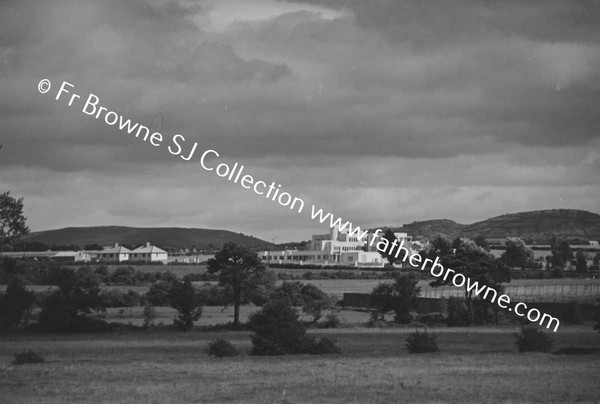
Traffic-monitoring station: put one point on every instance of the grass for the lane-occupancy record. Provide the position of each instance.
(474, 365)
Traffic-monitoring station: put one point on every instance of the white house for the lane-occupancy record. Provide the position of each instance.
(149, 253)
(116, 253)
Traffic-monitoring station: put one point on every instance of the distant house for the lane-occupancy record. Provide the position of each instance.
(149, 253)
(116, 253)
(72, 256)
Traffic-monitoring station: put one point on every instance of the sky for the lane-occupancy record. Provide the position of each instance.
(382, 112)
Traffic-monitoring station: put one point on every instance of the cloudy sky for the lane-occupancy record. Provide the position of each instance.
(381, 111)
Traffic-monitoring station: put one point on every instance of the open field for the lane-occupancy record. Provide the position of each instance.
(474, 365)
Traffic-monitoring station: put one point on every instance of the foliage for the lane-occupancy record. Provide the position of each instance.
(400, 296)
(597, 316)
(68, 309)
(14, 303)
(279, 331)
(561, 253)
(158, 294)
(458, 313)
(315, 301)
(12, 220)
(581, 261)
(421, 342)
(517, 254)
(239, 268)
(572, 314)
(27, 356)
(184, 299)
(533, 340)
(149, 315)
(387, 253)
(116, 298)
(221, 348)
(474, 263)
(332, 320)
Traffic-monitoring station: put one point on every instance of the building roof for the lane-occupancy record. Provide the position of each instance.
(116, 249)
(148, 249)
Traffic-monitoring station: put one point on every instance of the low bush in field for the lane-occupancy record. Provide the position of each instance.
(458, 313)
(533, 340)
(279, 331)
(221, 348)
(27, 356)
(421, 342)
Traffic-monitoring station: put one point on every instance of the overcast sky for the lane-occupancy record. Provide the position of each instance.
(381, 111)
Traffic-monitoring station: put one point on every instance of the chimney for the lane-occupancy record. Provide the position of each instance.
(147, 244)
(116, 244)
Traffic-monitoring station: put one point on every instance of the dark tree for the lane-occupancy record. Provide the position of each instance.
(561, 253)
(517, 254)
(400, 296)
(580, 261)
(14, 304)
(237, 267)
(475, 263)
(388, 234)
(482, 242)
(184, 298)
(12, 220)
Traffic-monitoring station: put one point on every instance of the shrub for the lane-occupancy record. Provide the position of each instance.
(68, 309)
(116, 298)
(533, 340)
(572, 315)
(421, 342)
(149, 315)
(458, 313)
(184, 299)
(158, 294)
(27, 356)
(332, 320)
(431, 318)
(597, 316)
(221, 348)
(14, 304)
(322, 346)
(279, 331)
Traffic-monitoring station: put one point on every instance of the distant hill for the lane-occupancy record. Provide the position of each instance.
(538, 226)
(164, 237)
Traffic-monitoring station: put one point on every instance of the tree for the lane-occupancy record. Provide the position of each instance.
(561, 253)
(475, 263)
(12, 220)
(481, 241)
(315, 301)
(400, 296)
(388, 234)
(14, 304)
(517, 254)
(237, 267)
(580, 261)
(68, 308)
(186, 301)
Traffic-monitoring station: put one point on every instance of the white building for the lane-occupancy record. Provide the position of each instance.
(149, 253)
(336, 248)
(116, 253)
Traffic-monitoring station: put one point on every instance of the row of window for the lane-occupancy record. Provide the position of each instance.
(298, 257)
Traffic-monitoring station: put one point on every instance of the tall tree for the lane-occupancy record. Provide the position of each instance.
(237, 267)
(475, 263)
(581, 261)
(389, 235)
(517, 254)
(561, 253)
(12, 220)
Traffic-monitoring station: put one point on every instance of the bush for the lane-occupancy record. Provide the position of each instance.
(14, 304)
(27, 356)
(322, 346)
(116, 298)
(533, 340)
(458, 313)
(221, 348)
(421, 342)
(279, 331)
(332, 320)
(184, 299)
(572, 315)
(68, 309)
(149, 315)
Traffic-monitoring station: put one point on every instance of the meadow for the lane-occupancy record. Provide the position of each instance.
(474, 365)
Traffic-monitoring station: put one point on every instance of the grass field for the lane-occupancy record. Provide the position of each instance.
(475, 365)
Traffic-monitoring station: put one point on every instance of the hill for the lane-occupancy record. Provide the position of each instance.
(164, 237)
(537, 226)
